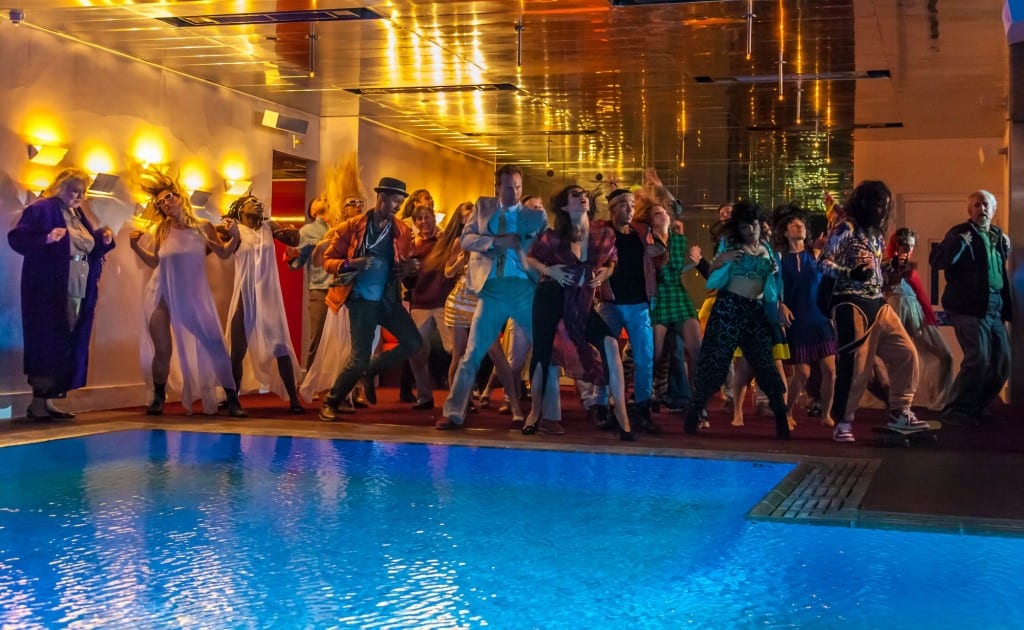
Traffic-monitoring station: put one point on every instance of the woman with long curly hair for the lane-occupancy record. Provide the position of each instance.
(865, 325)
(178, 297)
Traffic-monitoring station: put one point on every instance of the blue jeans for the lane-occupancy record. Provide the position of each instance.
(636, 319)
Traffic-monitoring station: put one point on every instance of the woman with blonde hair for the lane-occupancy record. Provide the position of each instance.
(59, 286)
(178, 297)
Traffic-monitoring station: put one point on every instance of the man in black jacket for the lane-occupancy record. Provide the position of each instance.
(977, 300)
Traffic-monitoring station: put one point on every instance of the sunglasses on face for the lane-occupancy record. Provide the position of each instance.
(578, 193)
(353, 202)
(164, 199)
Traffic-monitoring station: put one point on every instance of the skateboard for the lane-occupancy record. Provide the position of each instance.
(890, 436)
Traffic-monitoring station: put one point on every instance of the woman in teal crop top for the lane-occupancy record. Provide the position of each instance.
(744, 274)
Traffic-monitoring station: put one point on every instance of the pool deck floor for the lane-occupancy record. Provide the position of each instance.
(970, 482)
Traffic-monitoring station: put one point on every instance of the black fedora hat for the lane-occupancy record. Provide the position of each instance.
(391, 185)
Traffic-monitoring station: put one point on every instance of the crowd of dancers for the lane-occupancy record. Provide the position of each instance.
(544, 293)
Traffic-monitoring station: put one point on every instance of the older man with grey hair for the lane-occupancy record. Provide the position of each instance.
(977, 300)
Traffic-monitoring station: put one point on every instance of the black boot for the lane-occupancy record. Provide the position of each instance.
(602, 418)
(156, 406)
(692, 420)
(234, 406)
(643, 421)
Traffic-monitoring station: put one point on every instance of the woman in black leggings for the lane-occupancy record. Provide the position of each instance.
(573, 258)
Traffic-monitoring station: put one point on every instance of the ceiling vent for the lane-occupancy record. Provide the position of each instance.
(434, 89)
(812, 128)
(276, 17)
(792, 78)
(558, 132)
(644, 3)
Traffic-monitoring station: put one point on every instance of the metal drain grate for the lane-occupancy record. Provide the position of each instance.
(819, 491)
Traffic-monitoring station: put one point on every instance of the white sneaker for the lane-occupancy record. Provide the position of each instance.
(905, 419)
(843, 432)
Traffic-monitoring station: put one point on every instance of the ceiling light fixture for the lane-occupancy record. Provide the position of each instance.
(750, 28)
(275, 17)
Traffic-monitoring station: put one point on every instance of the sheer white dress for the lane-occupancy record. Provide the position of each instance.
(200, 361)
(258, 290)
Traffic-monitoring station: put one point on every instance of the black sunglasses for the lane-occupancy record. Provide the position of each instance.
(579, 192)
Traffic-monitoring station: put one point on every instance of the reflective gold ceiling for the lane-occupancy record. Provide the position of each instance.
(594, 88)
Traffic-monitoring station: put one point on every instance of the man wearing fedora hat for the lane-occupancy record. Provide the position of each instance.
(497, 236)
(369, 254)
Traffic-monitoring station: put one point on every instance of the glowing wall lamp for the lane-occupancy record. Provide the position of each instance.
(237, 187)
(198, 198)
(103, 185)
(46, 155)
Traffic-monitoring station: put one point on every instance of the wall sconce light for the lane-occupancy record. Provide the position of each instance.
(46, 155)
(198, 198)
(103, 184)
(237, 188)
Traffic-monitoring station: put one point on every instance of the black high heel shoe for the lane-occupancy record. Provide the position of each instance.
(626, 436)
(530, 429)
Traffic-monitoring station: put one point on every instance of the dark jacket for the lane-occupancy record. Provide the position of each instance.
(651, 263)
(52, 349)
(967, 279)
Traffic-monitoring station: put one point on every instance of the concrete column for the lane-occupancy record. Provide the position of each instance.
(1015, 226)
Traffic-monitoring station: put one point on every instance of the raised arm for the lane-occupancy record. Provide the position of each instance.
(150, 258)
(223, 248)
(287, 234)
(948, 252)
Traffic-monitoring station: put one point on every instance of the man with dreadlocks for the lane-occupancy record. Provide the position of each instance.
(256, 319)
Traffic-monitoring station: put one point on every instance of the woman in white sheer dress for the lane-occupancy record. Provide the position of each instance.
(178, 298)
(258, 337)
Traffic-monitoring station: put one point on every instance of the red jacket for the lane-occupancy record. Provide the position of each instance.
(346, 239)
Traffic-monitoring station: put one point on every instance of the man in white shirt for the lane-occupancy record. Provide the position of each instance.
(497, 237)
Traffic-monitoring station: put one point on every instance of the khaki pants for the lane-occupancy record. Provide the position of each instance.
(859, 342)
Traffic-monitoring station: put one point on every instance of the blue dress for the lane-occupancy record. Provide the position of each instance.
(811, 336)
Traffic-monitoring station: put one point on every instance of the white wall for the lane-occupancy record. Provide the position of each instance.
(938, 175)
(83, 98)
(450, 176)
(87, 99)
(936, 167)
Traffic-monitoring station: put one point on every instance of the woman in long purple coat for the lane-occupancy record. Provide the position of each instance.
(59, 284)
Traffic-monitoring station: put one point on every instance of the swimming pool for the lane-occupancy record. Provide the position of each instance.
(172, 529)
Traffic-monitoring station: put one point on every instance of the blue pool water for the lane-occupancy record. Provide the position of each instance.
(166, 529)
